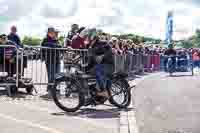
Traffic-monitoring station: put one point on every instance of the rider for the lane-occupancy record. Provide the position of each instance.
(170, 52)
(101, 62)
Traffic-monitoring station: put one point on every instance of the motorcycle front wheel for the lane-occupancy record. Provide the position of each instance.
(120, 94)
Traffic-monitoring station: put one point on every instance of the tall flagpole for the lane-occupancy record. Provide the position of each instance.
(169, 31)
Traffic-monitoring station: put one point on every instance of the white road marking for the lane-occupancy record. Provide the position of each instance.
(28, 123)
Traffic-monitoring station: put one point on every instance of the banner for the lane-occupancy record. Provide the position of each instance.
(169, 31)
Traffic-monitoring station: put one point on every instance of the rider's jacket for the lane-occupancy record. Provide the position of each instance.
(101, 48)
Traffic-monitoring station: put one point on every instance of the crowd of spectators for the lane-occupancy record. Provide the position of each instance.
(78, 38)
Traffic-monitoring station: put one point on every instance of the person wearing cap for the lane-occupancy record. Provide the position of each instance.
(51, 38)
(50, 54)
(14, 37)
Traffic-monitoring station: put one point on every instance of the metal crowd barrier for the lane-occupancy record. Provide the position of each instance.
(40, 64)
(43, 63)
(9, 65)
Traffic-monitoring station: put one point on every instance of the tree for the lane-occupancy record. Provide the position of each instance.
(186, 44)
(31, 41)
(61, 40)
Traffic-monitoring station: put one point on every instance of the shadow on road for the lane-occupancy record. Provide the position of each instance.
(46, 97)
(138, 75)
(176, 76)
(3, 92)
(94, 113)
(17, 95)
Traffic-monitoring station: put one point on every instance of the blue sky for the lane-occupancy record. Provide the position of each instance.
(143, 17)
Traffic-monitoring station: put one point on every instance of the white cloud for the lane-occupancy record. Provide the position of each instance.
(139, 16)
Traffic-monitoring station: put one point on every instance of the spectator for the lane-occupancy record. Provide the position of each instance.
(14, 37)
(196, 58)
(71, 34)
(104, 37)
(140, 49)
(50, 55)
(147, 50)
(8, 56)
(125, 48)
(2, 42)
(115, 46)
(133, 49)
(78, 41)
(3, 39)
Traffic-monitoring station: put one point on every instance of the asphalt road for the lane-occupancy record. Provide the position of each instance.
(34, 114)
(162, 104)
(166, 104)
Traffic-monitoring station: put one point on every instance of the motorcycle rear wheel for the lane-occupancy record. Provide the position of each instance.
(73, 87)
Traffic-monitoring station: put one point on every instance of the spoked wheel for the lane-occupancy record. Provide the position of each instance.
(120, 94)
(67, 95)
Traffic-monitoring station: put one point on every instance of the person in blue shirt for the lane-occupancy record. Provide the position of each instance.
(14, 37)
(50, 54)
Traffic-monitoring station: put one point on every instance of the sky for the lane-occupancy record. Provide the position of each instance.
(142, 17)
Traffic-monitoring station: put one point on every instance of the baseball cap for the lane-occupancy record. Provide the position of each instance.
(51, 29)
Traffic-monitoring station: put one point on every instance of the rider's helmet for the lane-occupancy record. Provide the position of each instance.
(92, 34)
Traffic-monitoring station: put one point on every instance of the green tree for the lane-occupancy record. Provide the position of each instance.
(186, 44)
(31, 41)
(61, 40)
